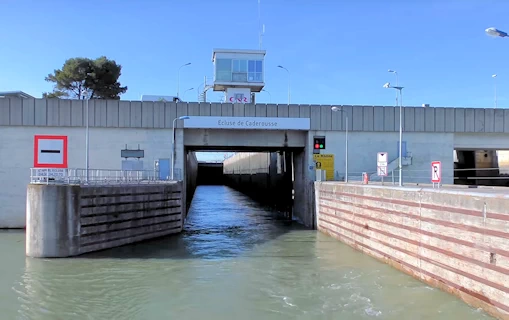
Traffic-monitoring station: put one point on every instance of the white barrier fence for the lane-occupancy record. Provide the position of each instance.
(97, 176)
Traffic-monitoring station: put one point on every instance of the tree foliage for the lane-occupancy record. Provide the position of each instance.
(82, 78)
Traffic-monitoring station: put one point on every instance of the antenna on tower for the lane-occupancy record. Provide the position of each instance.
(261, 27)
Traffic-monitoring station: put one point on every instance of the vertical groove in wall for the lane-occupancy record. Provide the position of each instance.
(9, 121)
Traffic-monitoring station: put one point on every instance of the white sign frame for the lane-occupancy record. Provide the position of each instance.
(382, 163)
(382, 159)
(436, 172)
(247, 123)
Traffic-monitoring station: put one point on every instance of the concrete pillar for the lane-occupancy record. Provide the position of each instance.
(52, 220)
(180, 168)
(304, 209)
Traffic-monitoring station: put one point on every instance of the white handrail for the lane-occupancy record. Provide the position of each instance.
(95, 176)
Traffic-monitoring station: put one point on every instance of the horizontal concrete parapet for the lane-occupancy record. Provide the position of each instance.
(147, 114)
(69, 220)
(451, 238)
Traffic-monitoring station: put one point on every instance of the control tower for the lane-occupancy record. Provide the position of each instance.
(239, 74)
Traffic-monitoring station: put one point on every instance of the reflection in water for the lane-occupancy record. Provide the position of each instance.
(235, 260)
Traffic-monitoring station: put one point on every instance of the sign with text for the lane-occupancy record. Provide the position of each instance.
(253, 123)
(381, 159)
(325, 162)
(50, 151)
(436, 171)
(381, 164)
(50, 173)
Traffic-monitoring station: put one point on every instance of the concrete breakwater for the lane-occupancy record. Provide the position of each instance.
(453, 239)
(69, 220)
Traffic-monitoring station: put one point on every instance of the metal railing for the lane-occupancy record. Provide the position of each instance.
(96, 176)
(424, 176)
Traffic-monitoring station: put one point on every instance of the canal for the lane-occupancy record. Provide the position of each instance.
(235, 260)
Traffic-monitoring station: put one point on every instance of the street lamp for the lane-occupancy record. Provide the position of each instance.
(270, 96)
(336, 109)
(178, 79)
(288, 81)
(494, 32)
(173, 144)
(184, 96)
(495, 85)
(388, 85)
(84, 93)
(397, 82)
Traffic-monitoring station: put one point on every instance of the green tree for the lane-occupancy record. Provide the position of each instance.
(80, 78)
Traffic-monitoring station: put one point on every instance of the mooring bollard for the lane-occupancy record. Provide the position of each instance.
(365, 178)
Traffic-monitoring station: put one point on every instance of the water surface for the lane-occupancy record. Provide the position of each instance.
(235, 260)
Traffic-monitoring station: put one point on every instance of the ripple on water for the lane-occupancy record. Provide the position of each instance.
(234, 260)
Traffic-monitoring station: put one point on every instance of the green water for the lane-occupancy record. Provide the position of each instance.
(235, 260)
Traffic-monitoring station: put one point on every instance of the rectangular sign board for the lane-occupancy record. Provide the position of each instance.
(50, 151)
(436, 171)
(381, 171)
(50, 173)
(249, 123)
(325, 162)
(381, 159)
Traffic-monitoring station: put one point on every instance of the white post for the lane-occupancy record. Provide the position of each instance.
(346, 148)
(400, 137)
(173, 149)
(495, 87)
(87, 146)
(288, 81)
(178, 79)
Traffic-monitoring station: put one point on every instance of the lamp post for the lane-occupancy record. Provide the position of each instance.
(397, 83)
(84, 93)
(400, 151)
(495, 87)
(494, 32)
(288, 81)
(184, 95)
(336, 109)
(173, 144)
(270, 96)
(178, 79)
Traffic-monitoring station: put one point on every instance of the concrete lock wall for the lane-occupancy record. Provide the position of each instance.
(430, 133)
(191, 179)
(69, 220)
(17, 157)
(450, 238)
(421, 148)
(257, 175)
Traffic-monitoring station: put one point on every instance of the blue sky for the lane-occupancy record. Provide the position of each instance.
(338, 51)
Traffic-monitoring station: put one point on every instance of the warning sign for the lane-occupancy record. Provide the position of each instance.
(325, 162)
(382, 171)
(436, 171)
(50, 151)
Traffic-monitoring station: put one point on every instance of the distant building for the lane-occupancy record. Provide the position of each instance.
(154, 98)
(15, 94)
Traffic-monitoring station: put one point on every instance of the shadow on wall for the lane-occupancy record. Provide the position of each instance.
(191, 178)
(263, 177)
